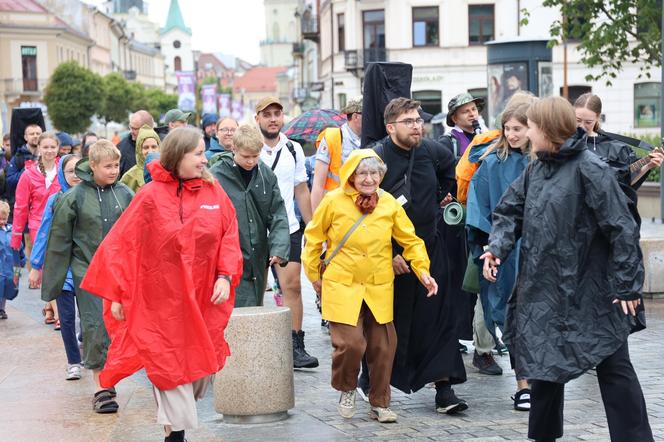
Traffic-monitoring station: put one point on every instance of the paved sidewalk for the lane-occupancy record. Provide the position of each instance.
(37, 404)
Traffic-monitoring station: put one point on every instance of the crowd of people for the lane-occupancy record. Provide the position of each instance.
(152, 240)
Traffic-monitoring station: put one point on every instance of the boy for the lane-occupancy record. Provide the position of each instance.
(253, 189)
(81, 219)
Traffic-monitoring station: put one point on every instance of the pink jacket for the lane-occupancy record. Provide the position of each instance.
(31, 198)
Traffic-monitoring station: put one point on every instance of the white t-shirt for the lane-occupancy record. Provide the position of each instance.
(50, 176)
(289, 174)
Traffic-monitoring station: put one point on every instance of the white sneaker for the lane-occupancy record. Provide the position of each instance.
(73, 372)
(346, 405)
(383, 415)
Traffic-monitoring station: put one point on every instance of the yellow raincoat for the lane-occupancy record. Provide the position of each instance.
(362, 270)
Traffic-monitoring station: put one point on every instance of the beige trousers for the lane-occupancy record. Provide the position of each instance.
(177, 407)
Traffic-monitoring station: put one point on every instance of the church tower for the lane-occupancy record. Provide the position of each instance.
(176, 43)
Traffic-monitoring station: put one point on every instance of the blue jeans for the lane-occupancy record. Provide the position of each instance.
(67, 311)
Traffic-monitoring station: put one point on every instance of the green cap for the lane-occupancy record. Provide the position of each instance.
(176, 115)
(458, 101)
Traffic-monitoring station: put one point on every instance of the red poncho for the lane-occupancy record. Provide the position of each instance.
(161, 261)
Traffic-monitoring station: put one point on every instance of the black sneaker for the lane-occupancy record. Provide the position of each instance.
(500, 349)
(447, 402)
(302, 359)
(486, 364)
(175, 436)
(363, 386)
(522, 400)
(3, 314)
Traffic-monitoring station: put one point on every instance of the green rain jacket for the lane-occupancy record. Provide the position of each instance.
(134, 177)
(81, 219)
(262, 221)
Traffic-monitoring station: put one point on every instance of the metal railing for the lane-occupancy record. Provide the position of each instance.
(309, 26)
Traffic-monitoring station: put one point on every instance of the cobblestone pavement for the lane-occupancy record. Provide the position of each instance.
(37, 404)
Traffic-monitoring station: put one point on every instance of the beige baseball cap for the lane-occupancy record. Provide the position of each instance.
(267, 101)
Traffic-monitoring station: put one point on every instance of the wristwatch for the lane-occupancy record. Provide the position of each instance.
(226, 277)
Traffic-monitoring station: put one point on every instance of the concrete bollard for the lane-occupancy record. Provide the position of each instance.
(653, 261)
(256, 384)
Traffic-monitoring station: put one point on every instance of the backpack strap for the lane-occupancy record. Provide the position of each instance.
(291, 148)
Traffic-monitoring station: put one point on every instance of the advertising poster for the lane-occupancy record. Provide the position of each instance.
(224, 105)
(504, 80)
(209, 98)
(186, 91)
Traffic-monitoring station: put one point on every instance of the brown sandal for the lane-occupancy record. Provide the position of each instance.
(49, 315)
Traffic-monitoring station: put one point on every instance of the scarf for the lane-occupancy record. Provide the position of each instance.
(366, 203)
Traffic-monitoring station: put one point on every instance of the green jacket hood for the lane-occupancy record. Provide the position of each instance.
(144, 133)
(84, 172)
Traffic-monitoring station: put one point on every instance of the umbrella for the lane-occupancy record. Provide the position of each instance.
(308, 125)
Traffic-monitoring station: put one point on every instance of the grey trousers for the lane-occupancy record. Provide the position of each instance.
(482, 339)
(177, 407)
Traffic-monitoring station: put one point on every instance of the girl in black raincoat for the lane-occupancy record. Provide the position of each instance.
(580, 276)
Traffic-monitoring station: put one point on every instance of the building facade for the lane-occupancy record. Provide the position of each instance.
(33, 42)
(280, 32)
(445, 43)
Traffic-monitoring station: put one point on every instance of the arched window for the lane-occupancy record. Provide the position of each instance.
(177, 63)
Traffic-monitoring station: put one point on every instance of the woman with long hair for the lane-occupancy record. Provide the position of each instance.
(501, 164)
(167, 273)
(580, 276)
(34, 188)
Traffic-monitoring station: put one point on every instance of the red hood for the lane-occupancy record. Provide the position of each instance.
(159, 173)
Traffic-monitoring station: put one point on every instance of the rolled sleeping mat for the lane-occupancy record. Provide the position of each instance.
(454, 214)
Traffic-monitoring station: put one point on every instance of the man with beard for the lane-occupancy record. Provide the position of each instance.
(25, 155)
(286, 159)
(127, 146)
(420, 174)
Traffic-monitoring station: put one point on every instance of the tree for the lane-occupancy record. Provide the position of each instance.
(73, 95)
(117, 99)
(159, 102)
(611, 33)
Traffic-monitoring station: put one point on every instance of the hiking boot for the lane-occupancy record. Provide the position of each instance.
(3, 314)
(486, 364)
(447, 402)
(73, 372)
(302, 359)
(346, 404)
(383, 415)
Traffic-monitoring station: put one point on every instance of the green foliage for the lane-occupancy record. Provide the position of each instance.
(73, 95)
(159, 102)
(117, 99)
(138, 96)
(611, 33)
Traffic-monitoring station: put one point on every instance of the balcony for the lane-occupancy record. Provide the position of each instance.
(355, 60)
(298, 50)
(309, 27)
(24, 86)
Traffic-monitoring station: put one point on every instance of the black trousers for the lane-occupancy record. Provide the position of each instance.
(623, 401)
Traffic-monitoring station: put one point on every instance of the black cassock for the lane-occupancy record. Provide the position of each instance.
(427, 346)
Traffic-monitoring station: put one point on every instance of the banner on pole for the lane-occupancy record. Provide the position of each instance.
(186, 91)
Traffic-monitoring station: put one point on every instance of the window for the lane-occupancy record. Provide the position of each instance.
(177, 64)
(177, 44)
(341, 32)
(481, 92)
(480, 24)
(647, 98)
(29, 65)
(576, 24)
(574, 92)
(649, 19)
(425, 26)
(374, 36)
(342, 100)
(431, 101)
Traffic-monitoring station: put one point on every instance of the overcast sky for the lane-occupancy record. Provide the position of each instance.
(233, 27)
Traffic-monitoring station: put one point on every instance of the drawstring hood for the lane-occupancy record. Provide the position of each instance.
(161, 175)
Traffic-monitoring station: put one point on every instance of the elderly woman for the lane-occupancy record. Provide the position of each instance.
(358, 222)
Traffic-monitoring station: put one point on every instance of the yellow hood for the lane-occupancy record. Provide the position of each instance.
(144, 133)
(352, 162)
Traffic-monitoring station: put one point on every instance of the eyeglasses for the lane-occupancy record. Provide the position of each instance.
(226, 130)
(409, 122)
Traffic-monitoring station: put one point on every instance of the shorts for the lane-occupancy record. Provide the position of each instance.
(296, 246)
